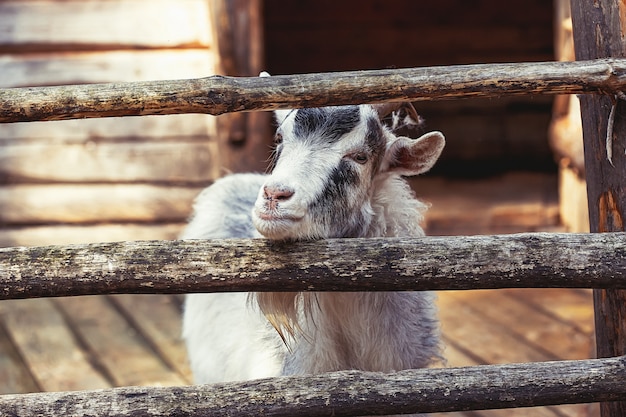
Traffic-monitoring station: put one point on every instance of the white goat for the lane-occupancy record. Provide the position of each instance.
(337, 173)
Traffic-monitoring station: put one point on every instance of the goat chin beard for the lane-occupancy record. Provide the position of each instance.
(283, 311)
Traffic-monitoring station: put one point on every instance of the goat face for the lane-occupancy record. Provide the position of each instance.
(328, 161)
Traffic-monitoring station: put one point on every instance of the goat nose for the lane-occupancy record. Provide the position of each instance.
(277, 192)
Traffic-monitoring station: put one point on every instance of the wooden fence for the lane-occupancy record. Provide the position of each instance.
(528, 260)
(217, 94)
(531, 260)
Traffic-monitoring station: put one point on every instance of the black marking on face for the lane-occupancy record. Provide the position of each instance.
(332, 206)
(341, 179)
(344, 176)
(330, 123)
(374, 138)
(376, 143)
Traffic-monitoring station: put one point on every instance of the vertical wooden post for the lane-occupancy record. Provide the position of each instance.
(599, 27)
(244, 138)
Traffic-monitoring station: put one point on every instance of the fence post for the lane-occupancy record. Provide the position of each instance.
(598, 28)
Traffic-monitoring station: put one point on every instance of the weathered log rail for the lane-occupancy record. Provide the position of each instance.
(529, 260)
(218, 94)
(348, 393)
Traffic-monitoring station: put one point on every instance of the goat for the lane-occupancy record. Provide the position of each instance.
(337, 172)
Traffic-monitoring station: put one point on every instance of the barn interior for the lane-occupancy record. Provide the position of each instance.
(135, 178)
(485, 136)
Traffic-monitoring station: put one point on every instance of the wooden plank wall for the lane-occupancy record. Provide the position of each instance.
(483, 136)
(104, 179)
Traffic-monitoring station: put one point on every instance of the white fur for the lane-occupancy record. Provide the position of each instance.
(229, 336)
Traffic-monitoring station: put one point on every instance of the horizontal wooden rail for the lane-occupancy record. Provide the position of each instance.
(218, 94)
(349, 393)
(539, 260)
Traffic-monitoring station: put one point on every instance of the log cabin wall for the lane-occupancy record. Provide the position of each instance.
(483, 136)
(135, 178)
(103, 179)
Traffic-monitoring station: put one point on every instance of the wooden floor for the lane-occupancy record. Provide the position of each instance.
(106, 341)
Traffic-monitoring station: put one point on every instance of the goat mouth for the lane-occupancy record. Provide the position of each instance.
(276, 217)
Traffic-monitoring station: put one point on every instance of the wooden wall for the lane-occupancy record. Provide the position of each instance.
(135, 178)
(104, 179)
(483, 135)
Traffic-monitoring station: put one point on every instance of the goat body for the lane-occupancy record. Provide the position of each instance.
(337, 173)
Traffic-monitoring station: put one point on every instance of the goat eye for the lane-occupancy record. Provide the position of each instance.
(359, 157)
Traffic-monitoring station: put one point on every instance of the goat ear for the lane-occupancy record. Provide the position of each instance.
(410, 157)
(279, 114)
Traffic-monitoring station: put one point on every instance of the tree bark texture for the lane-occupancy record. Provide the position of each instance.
(598, 33)
(430, 263)
(348, 393)
(219, 94)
